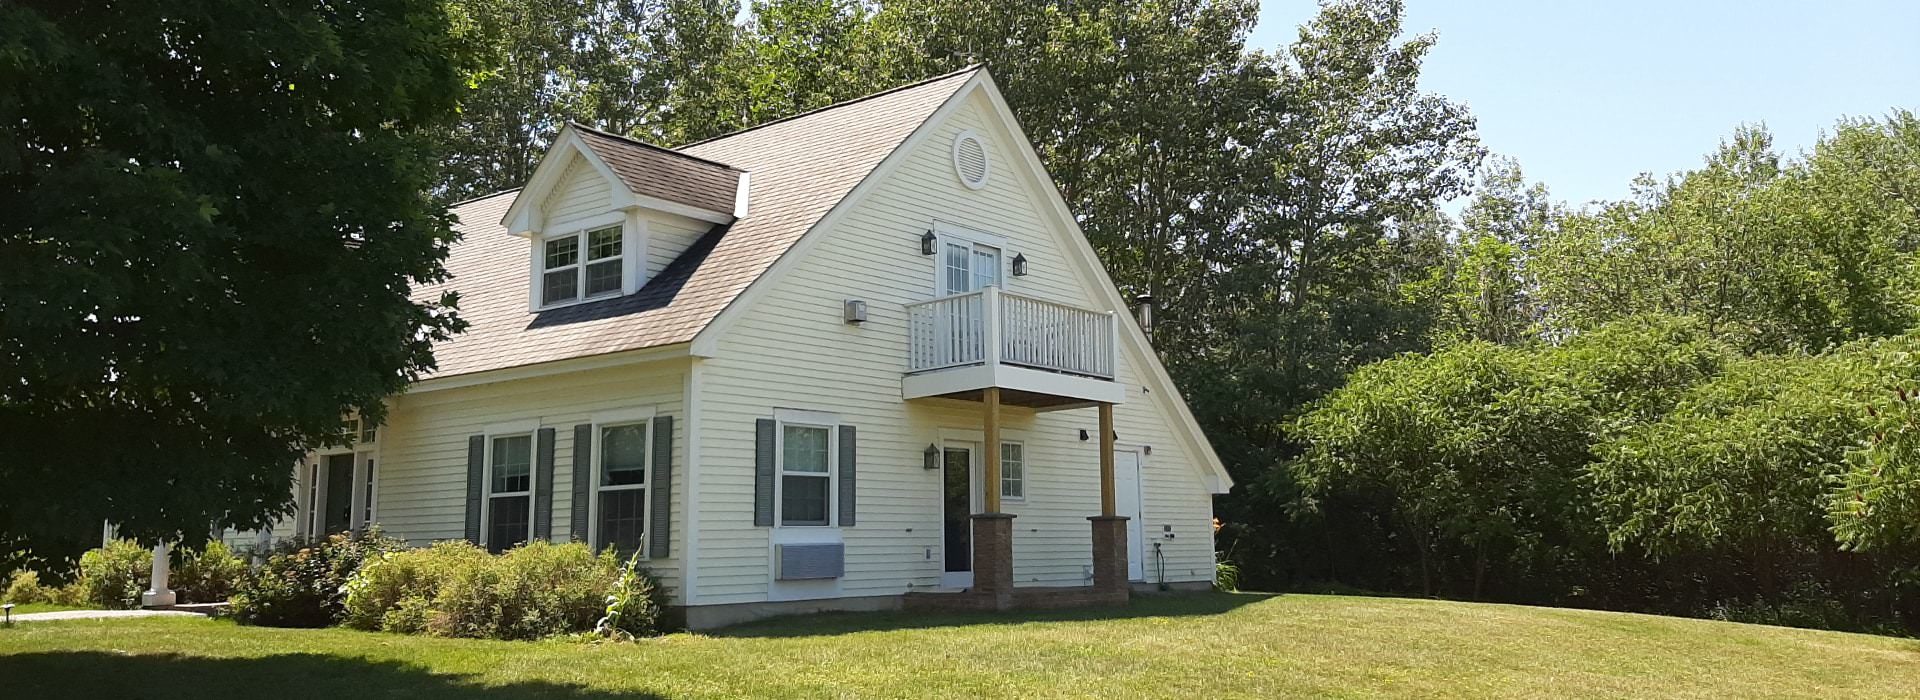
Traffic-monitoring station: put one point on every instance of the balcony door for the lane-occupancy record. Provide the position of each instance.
(966, 266)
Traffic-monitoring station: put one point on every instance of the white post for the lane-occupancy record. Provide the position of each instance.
(990, 297)
(158, 594)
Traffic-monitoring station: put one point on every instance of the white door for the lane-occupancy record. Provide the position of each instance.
(967, 267)
(1126, 488)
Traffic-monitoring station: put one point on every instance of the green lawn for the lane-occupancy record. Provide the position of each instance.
(1200, 646)
(24, 608)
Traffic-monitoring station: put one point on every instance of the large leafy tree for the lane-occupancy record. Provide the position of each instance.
(216, 212)
(1802, 255)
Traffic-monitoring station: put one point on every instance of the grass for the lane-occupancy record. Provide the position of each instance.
(1189, 646)
(24, 608)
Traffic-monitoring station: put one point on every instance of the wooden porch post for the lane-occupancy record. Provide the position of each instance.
(1107, 505)
(992, 401)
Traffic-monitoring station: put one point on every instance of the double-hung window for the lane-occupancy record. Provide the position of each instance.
(509, 492)
(1013, 471)
(620, 489)
(585, 265)
(806, 474)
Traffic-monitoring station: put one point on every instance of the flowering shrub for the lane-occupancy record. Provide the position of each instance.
(210, 575)
(303, 583)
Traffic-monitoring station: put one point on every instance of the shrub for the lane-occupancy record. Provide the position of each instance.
(70, 595)
(210, 575)
(1226, 575)
(303, 584)
(395, 592)
(633, 606)
(24, 587)
(533, 591)
(114, 576)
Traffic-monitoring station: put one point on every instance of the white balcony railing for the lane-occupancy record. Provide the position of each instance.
(990, 326)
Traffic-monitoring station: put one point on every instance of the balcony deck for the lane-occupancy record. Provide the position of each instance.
(1042, 354)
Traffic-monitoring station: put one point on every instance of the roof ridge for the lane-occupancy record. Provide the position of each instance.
(477, 198)
(643, 144)
(918, 83)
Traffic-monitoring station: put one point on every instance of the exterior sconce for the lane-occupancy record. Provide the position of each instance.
(855, 312)
(1019, 265)
(931, 457)
(927, 243)
(1147, 450)
(1083, 435)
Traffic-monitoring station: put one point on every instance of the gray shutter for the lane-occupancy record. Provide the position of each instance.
(476, 473)
(763, 472)
(582, 480)
(543, 485)
(660, 521)
(847, 475)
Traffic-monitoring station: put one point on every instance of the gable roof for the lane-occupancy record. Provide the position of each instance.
(653, 171)
(800, 168)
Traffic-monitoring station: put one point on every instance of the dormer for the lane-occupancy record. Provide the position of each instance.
(603, 213)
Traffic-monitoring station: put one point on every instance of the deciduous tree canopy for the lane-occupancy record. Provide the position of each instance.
(215, 212)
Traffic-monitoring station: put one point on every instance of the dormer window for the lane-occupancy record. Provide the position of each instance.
(565, 278)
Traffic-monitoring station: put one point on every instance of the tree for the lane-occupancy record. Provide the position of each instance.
(1483, 291)
(1797, 256)
(622, 65)
(1478, 446)
(217, 215)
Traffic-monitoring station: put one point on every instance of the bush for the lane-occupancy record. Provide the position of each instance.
(633, 606)
(455, 589)
(303, 584)
(1226, 575)
(24, 587)
(114, 576)
(532, 591)
(396, 592)
(69, 596)
(210, 575)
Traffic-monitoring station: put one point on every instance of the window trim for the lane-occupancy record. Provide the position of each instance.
(596, 451)
(532, 434)
(633, 242)
(945, 233)
(805, 419)
(1022, 496)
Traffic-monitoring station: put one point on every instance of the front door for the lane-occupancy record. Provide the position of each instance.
(338, 512)
(1126, 488)
(957, 517)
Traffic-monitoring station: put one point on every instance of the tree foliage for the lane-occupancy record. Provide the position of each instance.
(216, 213)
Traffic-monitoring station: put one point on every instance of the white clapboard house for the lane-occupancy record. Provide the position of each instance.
(860, 358)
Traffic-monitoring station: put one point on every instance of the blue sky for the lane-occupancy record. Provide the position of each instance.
(1588, 94)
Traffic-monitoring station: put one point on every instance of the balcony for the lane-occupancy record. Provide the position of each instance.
(1042, 354)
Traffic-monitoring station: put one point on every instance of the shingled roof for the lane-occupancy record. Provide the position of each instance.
(667, 174)
(800, 168)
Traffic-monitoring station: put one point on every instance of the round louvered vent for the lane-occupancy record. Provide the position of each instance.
(970, 159)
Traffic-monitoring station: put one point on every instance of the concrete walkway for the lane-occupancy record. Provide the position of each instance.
(101, 615)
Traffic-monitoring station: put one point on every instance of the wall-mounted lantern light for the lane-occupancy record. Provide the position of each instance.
(931, 457)
(927, 243)
(1019, 265)
(855, 312)
(1083, 435)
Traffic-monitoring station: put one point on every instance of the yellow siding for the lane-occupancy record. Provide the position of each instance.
(667, 237)
(423, 448)
(582, 192)
(791, 350)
